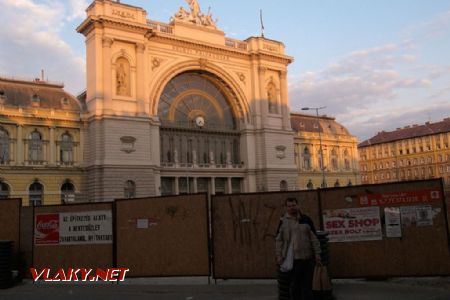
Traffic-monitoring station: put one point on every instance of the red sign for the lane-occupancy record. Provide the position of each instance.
(388, 199)
(47, 229)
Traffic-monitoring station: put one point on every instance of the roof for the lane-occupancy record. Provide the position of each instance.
(408, 132)
(309, 123)
(36, 93)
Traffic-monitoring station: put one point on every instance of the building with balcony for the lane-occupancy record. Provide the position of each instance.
(409, 153)
(340, 154)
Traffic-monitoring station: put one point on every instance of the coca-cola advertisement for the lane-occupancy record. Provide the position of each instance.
(47, 229)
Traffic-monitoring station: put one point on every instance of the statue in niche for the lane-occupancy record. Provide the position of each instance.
(122, 77)
(272, 97)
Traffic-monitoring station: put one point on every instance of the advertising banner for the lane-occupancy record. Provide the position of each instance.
(353, 224)
(388, 199)
(75, 228)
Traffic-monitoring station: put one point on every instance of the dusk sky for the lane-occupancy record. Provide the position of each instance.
(376, 65)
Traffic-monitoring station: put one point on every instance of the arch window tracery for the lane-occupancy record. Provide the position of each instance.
(198, 123)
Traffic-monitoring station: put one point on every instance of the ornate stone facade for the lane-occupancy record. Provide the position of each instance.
(340, 154)
(168, 109)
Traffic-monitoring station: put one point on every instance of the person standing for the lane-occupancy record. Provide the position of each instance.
(297, 229)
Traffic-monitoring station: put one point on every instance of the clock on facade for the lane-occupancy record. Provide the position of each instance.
(200, 121)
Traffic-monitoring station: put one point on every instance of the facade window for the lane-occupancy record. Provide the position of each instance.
(306, 159)
(334, 159)
(67, 192)
(319, 160)
(36, 194)
(66, 152)
(4, 146)
(129, 189)
(310, 185)
(35, 147)
(283, 186)
(4, 190)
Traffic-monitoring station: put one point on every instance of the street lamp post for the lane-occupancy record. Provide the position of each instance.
(324, 183)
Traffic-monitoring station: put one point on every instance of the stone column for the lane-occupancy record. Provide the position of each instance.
(52, 146)
(20, 152)
(213, 186)
(284, 100)
(177, 186)
(140, 79)
(229, 186)
(194, 183)
(107, 75)
(262, 94)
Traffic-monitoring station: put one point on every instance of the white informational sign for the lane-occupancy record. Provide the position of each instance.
(408, 216)
(93, 227)
(424, 215)
(78, 228)
(393, 222)
(353, 224)
(142, 223)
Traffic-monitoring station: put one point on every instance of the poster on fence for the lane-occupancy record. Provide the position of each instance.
(393, 222)
(396, 198)
(353, 224)
(75, 228)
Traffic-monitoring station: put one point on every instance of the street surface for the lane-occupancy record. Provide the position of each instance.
(198, 289)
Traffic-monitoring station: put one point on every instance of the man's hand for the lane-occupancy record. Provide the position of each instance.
(318, 260)
(279, 260)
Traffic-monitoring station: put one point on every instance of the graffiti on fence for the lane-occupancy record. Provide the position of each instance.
(252, 221)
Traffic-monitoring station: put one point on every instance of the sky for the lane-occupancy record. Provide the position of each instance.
(375, 64)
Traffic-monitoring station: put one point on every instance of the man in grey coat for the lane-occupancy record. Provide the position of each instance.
(295, 229)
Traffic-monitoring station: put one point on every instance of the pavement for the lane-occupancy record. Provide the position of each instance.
(198, 289)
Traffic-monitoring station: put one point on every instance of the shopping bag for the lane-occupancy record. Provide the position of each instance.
(288, 263)
(321, 280)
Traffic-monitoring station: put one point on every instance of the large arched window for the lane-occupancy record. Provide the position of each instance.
(129, 189)
(199, 127)
(35, 147)
(4, 190)
(66, 149)
(67, 192)
(36, 194)
(4, 146)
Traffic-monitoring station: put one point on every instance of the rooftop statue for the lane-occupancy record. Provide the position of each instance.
(194, 16)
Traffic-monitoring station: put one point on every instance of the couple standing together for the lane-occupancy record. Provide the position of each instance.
(297, 231)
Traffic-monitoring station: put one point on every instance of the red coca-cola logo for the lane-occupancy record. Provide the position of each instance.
(47, 226)
(47, 229)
